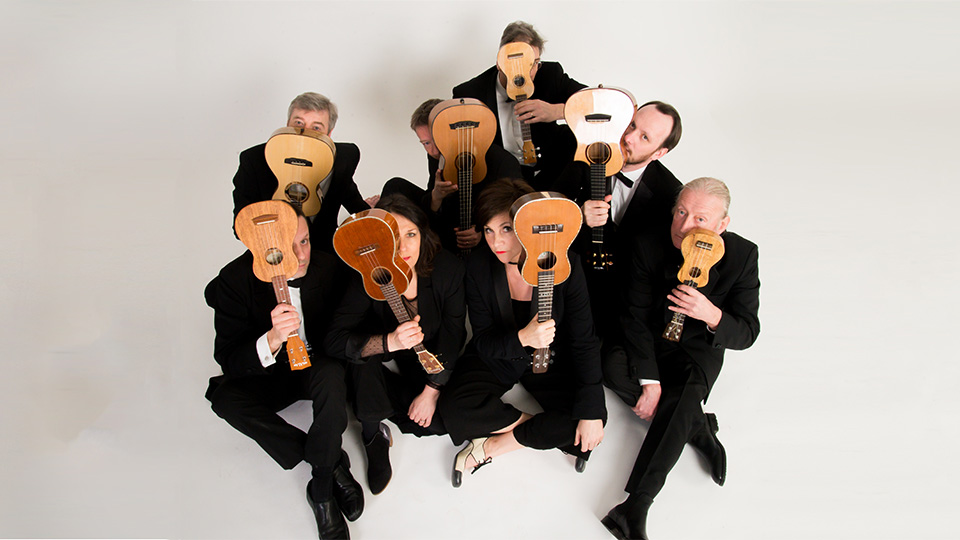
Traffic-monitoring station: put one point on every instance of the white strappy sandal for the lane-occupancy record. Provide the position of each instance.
(473, 448)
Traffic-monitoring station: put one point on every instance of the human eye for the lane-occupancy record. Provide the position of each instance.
(487, 230)
(507, 228)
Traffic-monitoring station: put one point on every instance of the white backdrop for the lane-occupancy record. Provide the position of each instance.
(832, 122)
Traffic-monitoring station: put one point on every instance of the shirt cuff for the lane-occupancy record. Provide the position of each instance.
(644, 382)
(267, 358)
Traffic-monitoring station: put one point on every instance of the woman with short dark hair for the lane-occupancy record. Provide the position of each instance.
(505, 331)
(366, 333)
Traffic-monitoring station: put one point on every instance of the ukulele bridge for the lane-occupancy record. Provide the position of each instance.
(704, 245)
(366, 249)
(552, 228)
(464, 124)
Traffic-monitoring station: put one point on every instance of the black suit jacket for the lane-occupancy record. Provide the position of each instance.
(495, 330)
(500, 164)
(555, 142)
(649, 209)
(255, 182)
(733, 286)
(442, 310)
(242, 305)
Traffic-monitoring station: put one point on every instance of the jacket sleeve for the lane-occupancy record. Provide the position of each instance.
(453, 329)
(348, 158)
(740, 324)
(641, 303)
(491, 340)
(588, 402)
(237, 327)
(350, 329)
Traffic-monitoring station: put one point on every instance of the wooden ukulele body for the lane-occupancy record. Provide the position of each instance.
(701, 248)
(268, 229)
(516, 61)
(546, 224)
(300, 158)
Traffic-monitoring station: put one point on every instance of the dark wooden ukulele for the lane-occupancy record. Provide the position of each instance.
(368, 241)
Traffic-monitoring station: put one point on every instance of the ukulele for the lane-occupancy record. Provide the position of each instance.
(267, 228)
(546, 223)
(367, 241)
(701, 249)
(598, 118)
(516, 61)
(463, 130)
(300, 158)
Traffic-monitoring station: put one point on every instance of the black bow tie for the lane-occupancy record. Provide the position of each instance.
(295, 282)
(626, 181)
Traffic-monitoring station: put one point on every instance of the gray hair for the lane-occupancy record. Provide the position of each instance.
(709, 186)
(524, 32)
(312, 101)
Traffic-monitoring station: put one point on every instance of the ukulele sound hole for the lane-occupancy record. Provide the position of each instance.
(598, 153)
(273, 256)
(465, 161)
(694, 272)
(297, 192)
(519, 80)
(546, 260)
(381, 276)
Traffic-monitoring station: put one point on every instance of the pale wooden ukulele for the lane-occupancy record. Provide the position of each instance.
(546, 223)
(463, 130)
(516, 60)
(300, 158)
(701, 249)
(598, 118)
(268, 228)
(367, 241)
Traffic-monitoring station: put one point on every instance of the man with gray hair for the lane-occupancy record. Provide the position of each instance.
(255, 181)
(664, 381)
(552, 88)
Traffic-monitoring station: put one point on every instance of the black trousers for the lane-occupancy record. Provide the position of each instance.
(679, 415)
(250, 404)
(471, 406)
(379, 394)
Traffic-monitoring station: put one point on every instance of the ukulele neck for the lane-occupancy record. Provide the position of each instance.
(545, 280)
(675, 326)
(297, 352)
(598, 190)
(429, 362)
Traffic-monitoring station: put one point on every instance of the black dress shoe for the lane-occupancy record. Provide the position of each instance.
(330, 523)
(708, 444)
(379, 471)
(580, 465)
(628, 520)
(346, 490)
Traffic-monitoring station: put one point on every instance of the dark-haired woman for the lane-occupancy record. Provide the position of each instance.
(505, 331)
(366, 333)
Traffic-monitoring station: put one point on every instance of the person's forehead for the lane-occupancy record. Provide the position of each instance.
(303, 113)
